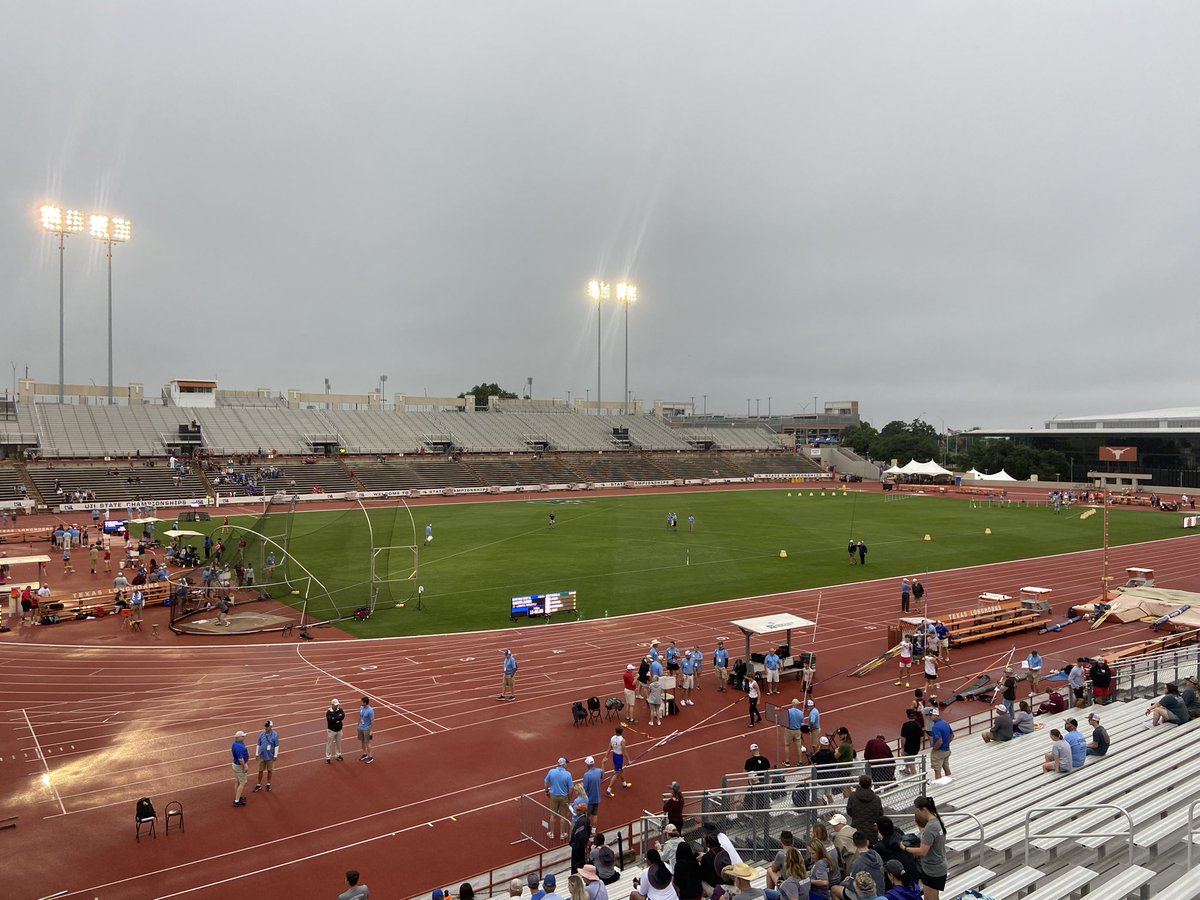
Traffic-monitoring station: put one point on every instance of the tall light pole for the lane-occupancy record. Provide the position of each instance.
(382, 389)
(598, 292)
(768, 407)
(626, 295)
(706, 404)
(62, 222)
(110, 231)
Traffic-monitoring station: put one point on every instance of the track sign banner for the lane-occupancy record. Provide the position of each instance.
(1118, 454)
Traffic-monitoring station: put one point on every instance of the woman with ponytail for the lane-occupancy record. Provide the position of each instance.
(932, 849)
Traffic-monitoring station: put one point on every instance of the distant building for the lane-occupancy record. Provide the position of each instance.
(1166, 444)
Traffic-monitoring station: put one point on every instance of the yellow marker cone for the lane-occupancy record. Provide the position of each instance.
(783, 554)
(987, 531)
(928, 538)
(789, 493)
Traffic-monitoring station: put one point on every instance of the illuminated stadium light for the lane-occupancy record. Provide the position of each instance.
(111, 231)
(62, 222)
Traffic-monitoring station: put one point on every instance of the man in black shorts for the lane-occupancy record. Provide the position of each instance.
(912, 735)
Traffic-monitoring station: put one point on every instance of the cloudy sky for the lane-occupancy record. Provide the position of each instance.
(984, 213)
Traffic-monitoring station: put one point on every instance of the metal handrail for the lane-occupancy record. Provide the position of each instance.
(963, 814)
(1128, 835)
(1191, 831)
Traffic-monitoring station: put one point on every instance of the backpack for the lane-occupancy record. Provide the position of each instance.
(145, 809)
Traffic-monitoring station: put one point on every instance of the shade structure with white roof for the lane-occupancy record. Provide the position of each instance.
(999, 476)
(912, 467)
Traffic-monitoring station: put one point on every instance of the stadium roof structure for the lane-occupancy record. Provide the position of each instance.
(1170, 420)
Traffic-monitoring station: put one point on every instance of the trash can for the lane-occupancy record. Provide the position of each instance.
(958, 481)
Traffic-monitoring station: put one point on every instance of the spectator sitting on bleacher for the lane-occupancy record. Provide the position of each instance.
(1191, 696)
(1059, 757)
(743, 874)
(1077, 743)
(671, 842)
(1023, 722)
(1098, 745)
(655, 883)
(866, 862)
(714, 860)
(891, 849)
(1002, 726)
(1168, 708)
(604, 859)
(900, 887)
(686, 877)
(1055, 703)
(593, 887)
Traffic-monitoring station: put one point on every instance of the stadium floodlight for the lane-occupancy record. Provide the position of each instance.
(111, 231)
(598, 291)
(626, 296)
(62, 222)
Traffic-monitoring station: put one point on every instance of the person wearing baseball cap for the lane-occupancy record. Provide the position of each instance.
(901, 888)
(1002, 725)
(757, 764)
(941, 735)
(630, 683)
(558, 789)
(593, 787)
(241, 758)
(334, 717)
(1098, 745)
(268, 749)
(509, 690)
(721, 664)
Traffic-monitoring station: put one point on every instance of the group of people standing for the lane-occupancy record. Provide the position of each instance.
(267, 749)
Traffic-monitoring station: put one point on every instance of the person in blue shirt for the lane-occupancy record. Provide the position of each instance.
(687, 671)
(697, 662)
(558, 789)
(795, 732)
(813, 725)
(366, 721)
(672, 658)
(268, 749)
(939, 750)
(1078, 743)
(656, 668)
(1034, 664)
(241, 757)
(508, 691)
(429, 534)
(592, 786)
(771, 662)
(654, 649)
(721, 664)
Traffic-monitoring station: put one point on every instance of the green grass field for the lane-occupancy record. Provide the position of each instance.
(620, 556)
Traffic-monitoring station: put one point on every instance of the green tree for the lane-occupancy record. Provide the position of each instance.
(481, 392)
(859, 437)
(906, 440)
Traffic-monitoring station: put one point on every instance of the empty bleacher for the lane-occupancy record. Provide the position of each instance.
(521, 470)
(413, 473)
(778, 463)
(608, 467)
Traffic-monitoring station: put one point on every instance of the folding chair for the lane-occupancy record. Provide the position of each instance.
(144, 814)
(593, 707)
(126, 618)
(613, 705)
(578, 713)
(174, 810)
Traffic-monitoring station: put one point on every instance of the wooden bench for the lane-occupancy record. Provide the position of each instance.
(1122, 882)
(1064, 884)
(106, 598)
(1027, 625)
(25, 535)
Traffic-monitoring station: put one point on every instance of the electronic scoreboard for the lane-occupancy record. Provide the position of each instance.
(542, 605)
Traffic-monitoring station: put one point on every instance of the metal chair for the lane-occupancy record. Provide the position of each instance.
(174, 810)
(593, 707)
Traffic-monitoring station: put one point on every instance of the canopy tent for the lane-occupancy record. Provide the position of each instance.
(769, 625)
(912, 467)
(973, 474)
(999, 476)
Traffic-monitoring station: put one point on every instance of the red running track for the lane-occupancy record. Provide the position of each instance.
(111, 724)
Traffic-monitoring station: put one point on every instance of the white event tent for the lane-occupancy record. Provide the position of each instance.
(912, 467)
